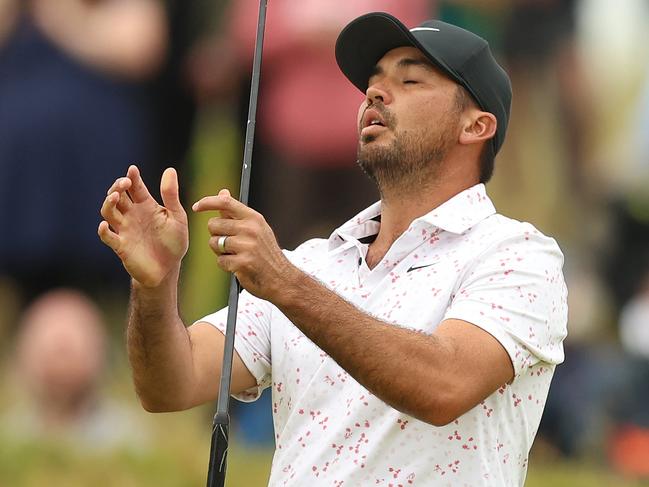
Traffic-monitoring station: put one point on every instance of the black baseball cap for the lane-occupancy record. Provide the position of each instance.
(462, 55)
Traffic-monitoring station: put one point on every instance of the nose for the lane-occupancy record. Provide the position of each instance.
(377, 92)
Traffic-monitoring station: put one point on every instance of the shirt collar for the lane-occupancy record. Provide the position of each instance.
(462, 211)
(363, 225)
(455, 215)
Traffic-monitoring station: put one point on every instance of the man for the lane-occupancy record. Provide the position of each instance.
(61, 353)
(416, 345)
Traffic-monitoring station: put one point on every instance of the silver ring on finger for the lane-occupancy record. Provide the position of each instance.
(220, 244)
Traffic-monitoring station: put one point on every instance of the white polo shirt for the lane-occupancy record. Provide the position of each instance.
(461, 260)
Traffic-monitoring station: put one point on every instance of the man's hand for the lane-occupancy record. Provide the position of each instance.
(251, 250)
(149, 239)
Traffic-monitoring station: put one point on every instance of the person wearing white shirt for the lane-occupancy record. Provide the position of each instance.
(416, 345)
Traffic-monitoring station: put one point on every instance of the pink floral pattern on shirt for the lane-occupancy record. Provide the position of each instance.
(462, 261)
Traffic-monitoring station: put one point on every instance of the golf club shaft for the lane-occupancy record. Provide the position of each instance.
(221, 423)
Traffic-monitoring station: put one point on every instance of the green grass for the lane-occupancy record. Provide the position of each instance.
(176, 451)
(48, 465)
(576, 474)
(177, 456)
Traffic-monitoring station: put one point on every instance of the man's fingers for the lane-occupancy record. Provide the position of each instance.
(124, 203)
(232, 245)
(120, 184)
(107, 236)
(169, 191)
(224, 226)
(110, 212)
(226, 204)
(227, 262)
(138, 191)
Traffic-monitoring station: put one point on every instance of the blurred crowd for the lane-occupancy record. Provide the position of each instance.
(88, 87)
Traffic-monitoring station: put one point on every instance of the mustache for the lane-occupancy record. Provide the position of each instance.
(387, 116)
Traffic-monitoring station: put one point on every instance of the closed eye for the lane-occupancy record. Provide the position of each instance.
(410, 82)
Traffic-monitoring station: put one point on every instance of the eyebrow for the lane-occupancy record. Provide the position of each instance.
(404, 63)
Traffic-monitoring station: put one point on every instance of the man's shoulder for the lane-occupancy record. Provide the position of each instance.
(501, 239)
(498, 227)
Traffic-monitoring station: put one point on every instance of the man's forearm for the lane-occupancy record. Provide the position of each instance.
(159, 348)
(396, 364)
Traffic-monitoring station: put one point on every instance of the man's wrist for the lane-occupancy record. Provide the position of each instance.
(168, 283)
(293, 287)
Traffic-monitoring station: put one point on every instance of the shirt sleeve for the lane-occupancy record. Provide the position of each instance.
(516, 292)
(252, 339)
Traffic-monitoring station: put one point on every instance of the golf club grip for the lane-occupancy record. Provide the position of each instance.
(218, 453)
(221, 423)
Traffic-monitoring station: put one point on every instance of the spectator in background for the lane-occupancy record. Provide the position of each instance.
(628, 441)
(59, 361)
(628, 270)
(539, 39)
(627, 260)
(319, 181)
(72, 111)
(552, 116)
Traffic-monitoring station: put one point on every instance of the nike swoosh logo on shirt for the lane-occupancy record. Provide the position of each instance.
(414, 268)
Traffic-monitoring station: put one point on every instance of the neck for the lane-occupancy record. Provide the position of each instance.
(401, 206)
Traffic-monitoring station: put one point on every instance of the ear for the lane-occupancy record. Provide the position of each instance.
(478, 127)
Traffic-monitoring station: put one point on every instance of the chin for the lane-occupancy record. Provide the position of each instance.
(367, 152)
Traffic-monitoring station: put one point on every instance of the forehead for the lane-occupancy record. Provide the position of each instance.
(404, 58)
(397, 55)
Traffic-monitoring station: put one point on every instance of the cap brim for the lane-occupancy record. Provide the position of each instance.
(364, 41)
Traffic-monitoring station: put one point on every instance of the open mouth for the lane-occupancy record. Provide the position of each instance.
(372, 118)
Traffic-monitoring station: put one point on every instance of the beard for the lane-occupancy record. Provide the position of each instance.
(413, 157)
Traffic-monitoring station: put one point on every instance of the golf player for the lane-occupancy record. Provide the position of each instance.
(416, 344)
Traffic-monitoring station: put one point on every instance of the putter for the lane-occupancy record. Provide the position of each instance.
(221, 422)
